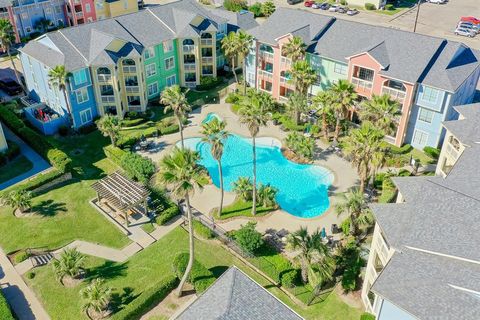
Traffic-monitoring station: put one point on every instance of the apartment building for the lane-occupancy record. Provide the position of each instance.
(424, 260)
(119, 64)
(426, 75)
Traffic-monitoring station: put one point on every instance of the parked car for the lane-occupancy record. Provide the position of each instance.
(352, 12)
(308, 3)
(465, 32)
(469, 25)
(437, 1)
(325, 6)
(292, 2)
(316, 5)
(342, 9)
(470, 19)
(10, 86)
(334, 8)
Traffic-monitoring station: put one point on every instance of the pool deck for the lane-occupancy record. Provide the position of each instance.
(208, 198)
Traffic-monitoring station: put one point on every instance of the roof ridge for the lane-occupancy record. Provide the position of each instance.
(161, 21)
(73, 46)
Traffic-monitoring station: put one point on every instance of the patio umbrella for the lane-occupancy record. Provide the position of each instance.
(323, 233)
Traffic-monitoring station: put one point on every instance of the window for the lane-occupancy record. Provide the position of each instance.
(85, 116)
(429, 94)
(167, 46)
(151, 69)
(82, 95)
(87, 7)
(125, 4)
(28, 29)
(340, 68)
(425, 115)
(420, 138)
(80, 77)
(169, 63)
(365, 74)
(152, 89)
(99, 5)
(149, 53)
(48, 10)
(172, 80)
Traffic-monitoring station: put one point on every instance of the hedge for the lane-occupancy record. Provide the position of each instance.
(202, 231)
(367, 316)
(200, 277)
(290, 278)
(37, 181)
(114, 153)
(5, 313)
(135, 166)
(147, 299)
(406, 148)
(389, 191)
(167, 215)
(132, 122)
(432, 152)
(370, 6)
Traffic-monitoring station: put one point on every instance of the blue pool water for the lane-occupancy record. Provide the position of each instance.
(210, 117)
(303, 189)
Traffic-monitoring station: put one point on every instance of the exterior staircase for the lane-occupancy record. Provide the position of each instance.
(41, 259)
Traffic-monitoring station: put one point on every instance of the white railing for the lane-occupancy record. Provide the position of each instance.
(265, 54)
(206, 42)
(394, 93)
(77, 2)
(104, 77)
(132, 89)
(265, 74)
(188, 48)
(362, 84)
(284, 80)
(129, 69)
(286, 62)
(135, 108)
(451, 151)
(189, 66)
(283, 98)
(207, 60)
(108, 98)
(79, 14)
(382, 250)
(190, 84)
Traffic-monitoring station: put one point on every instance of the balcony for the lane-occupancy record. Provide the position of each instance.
(395, 94)
(206, 42)
(268, 56)
(107, 99)
(104, 77)
(129, 69)
(190, 84)
(188, 48)
(363, 87)
(189, 66)
(285, 63)
(79, 15)
(132, 89)
(265, 74)
(207, 60)
(77, 2)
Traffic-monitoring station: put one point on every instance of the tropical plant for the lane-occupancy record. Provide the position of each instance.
(294, 49)
(268, 8)
(265, 100)
(320, 273)
(314, 256)
(297, 103)
(302, 76)
(59, 77)
(323, 102)
(20, 200)
(7, 39)
(302, 146)
(243, 188)
(253, 116)
(344, 98)
(180, 172)
(96, 298)
(109, 126)
(244, 42)
(248, 238)
(43, 24)
(174, 99)
(235, 5)
(383, 111)
(215, 135)
(362, 146)
(229, 45)
(70, 264)
(355, 205)
(349, 263)
(266, 195)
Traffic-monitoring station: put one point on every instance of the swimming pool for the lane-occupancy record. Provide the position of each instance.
(210, 117)
(303, 188)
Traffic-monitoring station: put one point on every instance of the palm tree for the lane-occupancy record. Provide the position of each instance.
(180, 172)
(70, 264)
(215, 135)
(355, 205)
(311, 249)
(230, 50)
(323, 101)
(20, 200)
(96, 298)
(268, 8)
(319, 274)
(244, 43)
(266, 195)
(362, 146)
(59, 78)
(253, 116)
(383, 111)
(294, 49)
(302, 76)
(174, 99)
(7, 39)
(42, 25)
(297, 103)
(243, 188)
(265, 100)
(344, 98)
(110, 127)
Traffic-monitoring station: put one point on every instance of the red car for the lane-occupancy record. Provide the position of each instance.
(467, 19)
(308, 3)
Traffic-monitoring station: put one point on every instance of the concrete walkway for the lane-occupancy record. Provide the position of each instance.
(20, 297)
(39, 164)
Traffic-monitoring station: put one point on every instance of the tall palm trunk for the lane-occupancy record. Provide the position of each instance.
(88, 314)
(220, 173)
(254, 191)
(180, 128)
(191, 245)
(337, 129)
(297, 117)
(15, 70)
(67, 103)
(233, 70)
(304, 271)
(324, 125)
(244, 70)
(353, 224)
(362, 184)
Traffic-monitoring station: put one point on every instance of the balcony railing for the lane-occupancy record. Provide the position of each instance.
(394, 93)
(189, 48)
(129, 69)
(285, 62)
(362, 84)
(265, 74)
(284, 80)
(189, 66)
(207, 60)
(77, 1)
(190, 84)
(132, 89)
(265, 54)
(108, 98)
(451, 151)
(79, 15)
(206, 42)
(104, 77)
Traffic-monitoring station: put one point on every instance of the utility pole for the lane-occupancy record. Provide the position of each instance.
(416, 17)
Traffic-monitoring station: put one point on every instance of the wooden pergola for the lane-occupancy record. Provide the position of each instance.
(122, 193)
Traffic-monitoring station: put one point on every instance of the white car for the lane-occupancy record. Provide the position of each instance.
(334, 8)
(437, 1)
(465, 32)
(469, 26)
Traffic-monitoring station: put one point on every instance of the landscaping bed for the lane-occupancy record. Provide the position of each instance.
(241, 208)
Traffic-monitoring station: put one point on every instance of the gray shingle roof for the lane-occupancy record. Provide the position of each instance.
(467, 129)
(236, 20)
(235, 296)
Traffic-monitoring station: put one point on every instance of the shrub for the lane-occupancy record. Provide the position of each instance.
(168, 214)
(147, 299)
(248, 238)
(406, 148)
(404, 173)
(302, 146)
(256, 9)
(202, 231)
(367, 316)
(370, 6)
(170, 129)
(345, 226)
(207, 83)
(290, 278)
(137, 167)
(114, 153)
(232, 97)
(349, 263)
(31, 275)
(200, 277)
(132, 122)
(10, 119)
(389, 191)
(289, 125)
(128, 141)
(389, 6)
(59, 159)
(21, 256)
(150, 132)
(5, 313)
(432, 152)
(235, 5)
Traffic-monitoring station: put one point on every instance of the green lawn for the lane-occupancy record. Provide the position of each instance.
(64, 213)
(147, 267)
(241, 208)
(15, 168)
